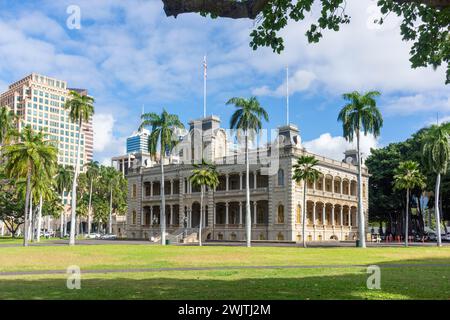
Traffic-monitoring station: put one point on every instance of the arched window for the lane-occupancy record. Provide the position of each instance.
(233, 237)
(134, 217)
(299, 214)
(280, 177)
(280, 215)
(280, 237)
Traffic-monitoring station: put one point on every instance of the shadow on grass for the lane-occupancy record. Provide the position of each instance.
(409, 282)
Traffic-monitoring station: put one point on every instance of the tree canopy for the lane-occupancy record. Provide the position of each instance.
(424, 22)
(386, 202)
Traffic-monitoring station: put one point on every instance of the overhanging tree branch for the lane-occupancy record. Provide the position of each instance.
(221, 8)
(236, 9)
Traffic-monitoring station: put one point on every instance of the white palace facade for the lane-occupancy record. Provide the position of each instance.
(276, 199)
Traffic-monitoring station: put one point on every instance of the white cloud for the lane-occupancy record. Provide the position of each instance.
(104, 139)
(412, 104)
(357, 57)
(334, 147)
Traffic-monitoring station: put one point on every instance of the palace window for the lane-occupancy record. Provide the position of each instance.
(134, 191)
(299, 214)
(280, 215)
(280, 237)
(134, 217)
(281, 177)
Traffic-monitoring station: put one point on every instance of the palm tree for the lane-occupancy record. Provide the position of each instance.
(247, 121)
(43, 189)
(7, 124)
(163, 131)
(81, 109)
(26, 159)
(360, 114)
(436, 153)
(63, 181)
(92, 172)
(204, 176)
(111, 177)
(304, 170)
(408, 176)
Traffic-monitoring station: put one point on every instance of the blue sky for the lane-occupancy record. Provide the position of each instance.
(128, 54)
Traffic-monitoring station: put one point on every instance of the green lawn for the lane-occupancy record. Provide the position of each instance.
(409, 282)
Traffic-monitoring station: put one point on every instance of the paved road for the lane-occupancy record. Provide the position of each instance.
(324, 244)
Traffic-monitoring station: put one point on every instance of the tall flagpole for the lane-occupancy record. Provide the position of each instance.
(287, 95)
(205, 68)
(142, 113)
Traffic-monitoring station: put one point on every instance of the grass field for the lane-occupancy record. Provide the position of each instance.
(413, 281)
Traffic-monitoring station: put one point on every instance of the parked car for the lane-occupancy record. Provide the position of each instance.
(108, 237)
(446, 237)
(93, 236)
(48, 234)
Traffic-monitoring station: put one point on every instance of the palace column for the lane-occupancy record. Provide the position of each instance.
(151, 188)
(342, 214)
(314, 213)
(151, 215)
(332, 185)
(323, 214)
(227, 176)
(240, 212)
(189, 212)
(171, 214)
(254, 179)
(332, 215)
(254, 211)
(171, 187)
(341, 191)
(226, 213)
(240, 180)
(349, 217)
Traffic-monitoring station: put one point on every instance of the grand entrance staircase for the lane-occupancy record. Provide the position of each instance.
(182, 235)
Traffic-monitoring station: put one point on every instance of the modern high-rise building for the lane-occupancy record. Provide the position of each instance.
(138, 142)
(39, 102)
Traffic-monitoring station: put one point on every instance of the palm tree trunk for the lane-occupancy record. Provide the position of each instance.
(361, 222)
(304, 215)
(441, 212)
(436, 210)
(110, 211)
(61, 233)
(201, 217)
(27, 202)
(163, 203)
(74, 189)
(90, 209)
(30, 217)
(248, 218)
(407, 217)
(39, 221)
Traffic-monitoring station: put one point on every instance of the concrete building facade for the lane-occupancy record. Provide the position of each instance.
(276, 199)
(39, 102)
